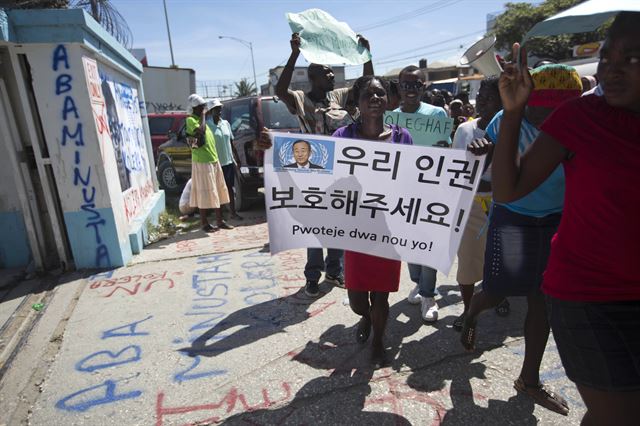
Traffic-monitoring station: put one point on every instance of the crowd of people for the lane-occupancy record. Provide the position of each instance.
(552, 220)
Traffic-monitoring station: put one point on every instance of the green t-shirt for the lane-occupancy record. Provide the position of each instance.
(207, 152)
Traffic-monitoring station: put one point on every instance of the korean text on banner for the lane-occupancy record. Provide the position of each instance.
(324, 40)
(426, 130)
(395, 201)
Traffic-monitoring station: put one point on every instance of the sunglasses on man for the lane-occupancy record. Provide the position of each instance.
(411, 85)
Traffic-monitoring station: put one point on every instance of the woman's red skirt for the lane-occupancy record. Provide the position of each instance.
(364, 272)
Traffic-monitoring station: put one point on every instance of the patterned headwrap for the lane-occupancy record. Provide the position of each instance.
(554, 84)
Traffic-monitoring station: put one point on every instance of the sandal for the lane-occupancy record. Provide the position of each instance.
(504, 308)
(459, 322)
(363, 331)
(542, 396)
(208, 228)
(225, 225)
(468, 335)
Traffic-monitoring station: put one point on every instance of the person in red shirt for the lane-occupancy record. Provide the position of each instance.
(592, 279)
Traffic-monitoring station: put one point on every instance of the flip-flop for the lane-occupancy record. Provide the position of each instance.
(468, 335)
(542, 396)
(459, 322)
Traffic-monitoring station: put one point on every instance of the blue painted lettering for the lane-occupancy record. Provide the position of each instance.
(131, 327)
(60, 54)
(106, 395)
(75, 136)
(255, 298)
(93, 195)
(209, 323)
(213, 290)
(102, 253)
(63, 84)
(77, 178)
(91, 208)
(95, 227)
(106, 359)
(185, 375)
(69, 106)
(213, 258)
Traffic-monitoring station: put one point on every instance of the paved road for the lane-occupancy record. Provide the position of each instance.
(207, 329)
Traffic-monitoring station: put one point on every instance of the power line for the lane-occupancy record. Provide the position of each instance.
(433, 44)
(384, 60)
(408, 15)
(447, 49)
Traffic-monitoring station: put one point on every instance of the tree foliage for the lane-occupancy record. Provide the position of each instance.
(519, 18)
(109, 17)
(244, 88)
(35, 4)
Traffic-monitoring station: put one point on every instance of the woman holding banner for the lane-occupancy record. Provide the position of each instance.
(591, 279)
(369, 279)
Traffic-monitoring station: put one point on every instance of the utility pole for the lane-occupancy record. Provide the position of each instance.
(166, 17)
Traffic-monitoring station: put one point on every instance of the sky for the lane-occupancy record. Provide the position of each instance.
(400, 32)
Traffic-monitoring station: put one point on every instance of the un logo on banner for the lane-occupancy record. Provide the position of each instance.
(297, 154)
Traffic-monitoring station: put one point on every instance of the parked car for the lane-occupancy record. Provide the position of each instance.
(161, 124)
(247, 117)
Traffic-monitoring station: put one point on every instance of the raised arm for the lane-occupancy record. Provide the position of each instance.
(514, 176)
(367, 67)
(282, 88)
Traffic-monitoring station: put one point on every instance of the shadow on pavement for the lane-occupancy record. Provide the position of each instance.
(345, 393)
(439, 357)
(340, 398)
(257, 322)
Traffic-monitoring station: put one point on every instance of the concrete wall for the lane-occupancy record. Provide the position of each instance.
(90, 100)
(14, 246)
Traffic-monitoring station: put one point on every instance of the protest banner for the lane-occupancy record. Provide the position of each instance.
(395, 201)
(324, 40)
(426, 130)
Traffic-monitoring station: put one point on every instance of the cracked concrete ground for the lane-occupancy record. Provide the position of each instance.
(207, 329)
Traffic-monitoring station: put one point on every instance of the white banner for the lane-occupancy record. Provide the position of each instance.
(403, 202)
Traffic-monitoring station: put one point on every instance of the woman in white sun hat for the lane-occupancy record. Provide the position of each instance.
(208, 189)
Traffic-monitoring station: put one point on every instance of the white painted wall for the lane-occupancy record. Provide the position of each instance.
(167, 89)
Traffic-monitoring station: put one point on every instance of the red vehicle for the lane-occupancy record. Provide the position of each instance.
(247, 117)
(161, 124)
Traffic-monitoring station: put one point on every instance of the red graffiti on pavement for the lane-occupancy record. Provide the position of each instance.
(130, 284)
(240, 238)
(233, 400)
(322, 306)
(186, 246)
(288, 278)
(292, 261)
(400, 392)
